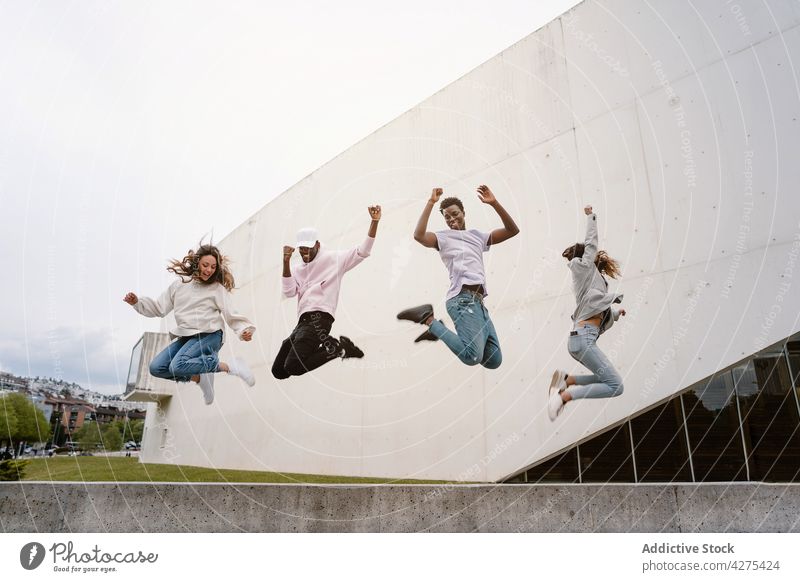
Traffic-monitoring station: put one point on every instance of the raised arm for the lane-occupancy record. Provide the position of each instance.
(590, 244)
(288, 284)
(375, 218)
(353, 257)
(421, 234)
(152, 307)
(509, 229)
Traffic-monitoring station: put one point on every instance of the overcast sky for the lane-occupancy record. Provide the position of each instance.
(130, 129)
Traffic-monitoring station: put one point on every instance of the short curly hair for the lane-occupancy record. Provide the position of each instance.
(447, 202)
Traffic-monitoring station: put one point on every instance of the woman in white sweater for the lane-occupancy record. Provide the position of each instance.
(200, 300)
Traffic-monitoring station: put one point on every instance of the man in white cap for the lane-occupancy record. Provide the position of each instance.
(316, 283)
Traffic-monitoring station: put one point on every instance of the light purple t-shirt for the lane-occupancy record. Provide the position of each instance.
(462, 254)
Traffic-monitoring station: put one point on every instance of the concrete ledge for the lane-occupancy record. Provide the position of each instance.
(212, 507)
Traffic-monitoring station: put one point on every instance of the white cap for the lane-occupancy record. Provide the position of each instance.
(307, 237)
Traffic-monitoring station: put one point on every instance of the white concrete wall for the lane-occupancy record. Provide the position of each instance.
(678, 121)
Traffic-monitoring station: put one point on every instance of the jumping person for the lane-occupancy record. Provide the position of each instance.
(475, 339)
(596, 312)
(200, 299)
(316, 282)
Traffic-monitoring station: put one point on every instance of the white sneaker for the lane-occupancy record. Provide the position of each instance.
(240, 368)
(207, 386)
(554, 405)
(558, 383)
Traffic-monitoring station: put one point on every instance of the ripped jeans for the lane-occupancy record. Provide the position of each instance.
(475, 339)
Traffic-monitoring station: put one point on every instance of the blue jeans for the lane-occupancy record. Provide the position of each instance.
(606, 381)
(475, 340)
(188, 356)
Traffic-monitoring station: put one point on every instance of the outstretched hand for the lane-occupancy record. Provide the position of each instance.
(587, 210)
(486, 195)
(131, 299)
(436, 193)
(375, 212)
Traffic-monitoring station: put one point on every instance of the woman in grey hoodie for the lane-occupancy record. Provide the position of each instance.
(595, 312)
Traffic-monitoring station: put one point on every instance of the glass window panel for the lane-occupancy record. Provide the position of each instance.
(712, 422)
(660, 447)
(607, 457)
(516, 478)
(133, 370)
(560, 469)
(793, 350)
(770, 420)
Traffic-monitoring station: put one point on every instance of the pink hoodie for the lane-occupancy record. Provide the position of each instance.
(317, 283)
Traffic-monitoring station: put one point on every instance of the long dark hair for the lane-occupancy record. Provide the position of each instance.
(189, 267)
(604, 263)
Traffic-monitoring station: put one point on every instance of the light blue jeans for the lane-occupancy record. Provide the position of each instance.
(475, 339)
(606, 381)
(188, 356)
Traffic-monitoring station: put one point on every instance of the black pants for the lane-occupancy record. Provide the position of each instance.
(308, 347)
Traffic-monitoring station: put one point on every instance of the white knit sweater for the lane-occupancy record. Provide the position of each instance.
(199, 308)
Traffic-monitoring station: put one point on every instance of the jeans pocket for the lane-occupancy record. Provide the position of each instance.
(574, 344)
(458, 306)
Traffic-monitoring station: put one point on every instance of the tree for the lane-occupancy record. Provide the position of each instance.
(112, 439)
(8, 421)
(31, 425)
(65, 392)
(12, 470)
(88, 436)
(121, 428)
(131, 430)
(137, 430)
(91, 436)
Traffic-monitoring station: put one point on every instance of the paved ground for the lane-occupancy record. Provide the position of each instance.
(162, 507)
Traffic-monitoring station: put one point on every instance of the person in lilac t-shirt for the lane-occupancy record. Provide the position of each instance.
(475, 339)
(316, 283)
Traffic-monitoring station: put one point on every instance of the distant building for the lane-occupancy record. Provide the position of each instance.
(106, 414)
(67, 416)
(11, 382)
(43, 402)
(53, 385)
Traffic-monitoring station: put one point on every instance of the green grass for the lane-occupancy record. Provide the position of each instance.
(62, 468)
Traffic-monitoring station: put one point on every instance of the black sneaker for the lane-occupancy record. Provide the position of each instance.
(349, 349)
(417, 314)
(426, 336)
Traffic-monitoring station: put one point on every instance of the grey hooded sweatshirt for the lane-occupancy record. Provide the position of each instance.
(590, 287)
